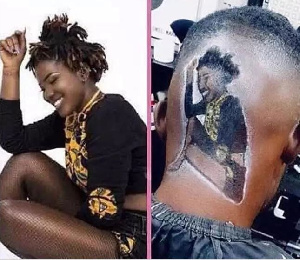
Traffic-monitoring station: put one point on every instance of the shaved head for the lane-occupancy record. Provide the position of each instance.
(233, 109)
(257, 40)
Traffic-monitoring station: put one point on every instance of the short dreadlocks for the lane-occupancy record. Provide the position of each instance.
(213, 59)
(65, 42)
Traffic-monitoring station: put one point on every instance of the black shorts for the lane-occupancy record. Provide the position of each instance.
(131, 234)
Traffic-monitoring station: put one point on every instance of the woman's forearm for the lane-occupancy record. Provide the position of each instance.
(10, 87)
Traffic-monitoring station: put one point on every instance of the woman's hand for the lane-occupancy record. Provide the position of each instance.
(13, 50)
(190, 71)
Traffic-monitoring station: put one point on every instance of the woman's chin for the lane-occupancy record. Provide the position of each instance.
(64, 112)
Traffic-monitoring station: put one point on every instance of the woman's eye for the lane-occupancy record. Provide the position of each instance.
(52, 81)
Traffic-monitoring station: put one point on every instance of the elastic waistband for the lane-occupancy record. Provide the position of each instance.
(209, 227)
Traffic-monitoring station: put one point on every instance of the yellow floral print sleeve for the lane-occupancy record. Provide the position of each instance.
(106, 158)
(99, 145)
(126, 244)
(212, 119)
(102, 203)
(76, 153)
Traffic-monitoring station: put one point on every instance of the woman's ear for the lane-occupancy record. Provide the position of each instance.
(160, 112)
(83, 73)
(292, 148)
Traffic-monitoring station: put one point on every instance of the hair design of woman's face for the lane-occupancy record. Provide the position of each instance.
(209, 89)
(217, 131)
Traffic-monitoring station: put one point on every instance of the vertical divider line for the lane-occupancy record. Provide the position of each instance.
(149, 129)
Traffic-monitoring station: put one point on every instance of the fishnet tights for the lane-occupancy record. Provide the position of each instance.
(44, 226)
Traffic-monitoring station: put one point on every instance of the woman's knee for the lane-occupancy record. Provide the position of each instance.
(10, 217)
(17, 171)
(6, 213)
(25, 159)
(23, 163)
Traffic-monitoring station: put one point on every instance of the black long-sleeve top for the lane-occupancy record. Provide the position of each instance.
(105, 151)
(224, 119)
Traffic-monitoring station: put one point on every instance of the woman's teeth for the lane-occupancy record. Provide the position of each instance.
(57, 103)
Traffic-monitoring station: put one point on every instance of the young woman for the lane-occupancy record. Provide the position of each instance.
(95, 208)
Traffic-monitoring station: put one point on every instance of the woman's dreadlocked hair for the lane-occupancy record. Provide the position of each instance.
(213, 59)
(65, 42)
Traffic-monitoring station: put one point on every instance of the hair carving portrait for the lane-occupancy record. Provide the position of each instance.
(216, 122)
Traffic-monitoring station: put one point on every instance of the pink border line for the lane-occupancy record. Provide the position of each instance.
(149, 129)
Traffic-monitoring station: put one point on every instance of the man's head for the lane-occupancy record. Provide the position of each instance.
(265, 50)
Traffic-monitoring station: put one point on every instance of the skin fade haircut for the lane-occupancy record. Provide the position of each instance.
(215, 88)
(63, 41)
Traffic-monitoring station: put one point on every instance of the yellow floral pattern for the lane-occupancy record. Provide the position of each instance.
(212, 117)
(102, 203)
(126, 243)
(75, 149)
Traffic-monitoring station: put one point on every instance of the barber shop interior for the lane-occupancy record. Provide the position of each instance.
(171, 20)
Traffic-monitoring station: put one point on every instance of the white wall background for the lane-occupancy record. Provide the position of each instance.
(120, 26)
(171, 10)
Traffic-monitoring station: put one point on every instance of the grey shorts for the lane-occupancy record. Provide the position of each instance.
(176, 235)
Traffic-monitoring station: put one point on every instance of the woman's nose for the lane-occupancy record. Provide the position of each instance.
(48, 94)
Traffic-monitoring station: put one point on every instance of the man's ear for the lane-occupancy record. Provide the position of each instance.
(160, 112)
(292, 149)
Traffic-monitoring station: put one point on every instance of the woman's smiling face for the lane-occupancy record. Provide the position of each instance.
(63, 88)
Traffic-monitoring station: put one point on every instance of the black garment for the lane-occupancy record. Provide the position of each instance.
(228, 125)
(131, 233)
(222, 134)
(158, 160)
(108, 145)
(183, 236)
(180, 28)
(15, 138)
